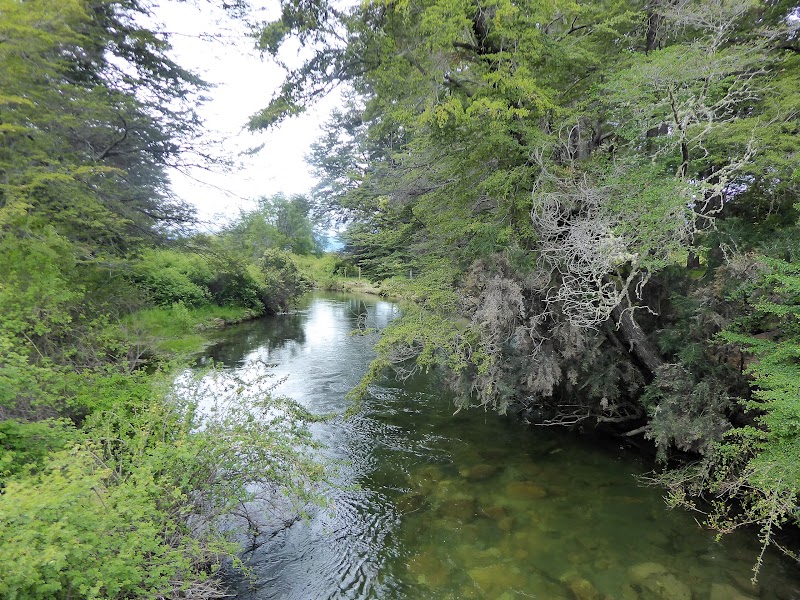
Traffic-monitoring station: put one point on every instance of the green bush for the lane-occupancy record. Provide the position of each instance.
(169, 277)
(195, 278)
(25, 446)
(142, 507)
(77, 531)
(234, 282)
(283, 281)
(753, 473)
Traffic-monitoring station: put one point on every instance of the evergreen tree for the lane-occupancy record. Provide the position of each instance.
(554, 169)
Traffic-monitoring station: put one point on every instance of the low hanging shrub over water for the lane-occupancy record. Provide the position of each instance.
(144, 502)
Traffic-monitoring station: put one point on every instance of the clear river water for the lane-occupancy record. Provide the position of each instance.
(473, 505)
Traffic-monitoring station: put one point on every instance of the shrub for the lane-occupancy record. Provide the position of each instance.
(25, 446)
(74, 531)
(283, 281)
(195, 278)
(169, 277)
(144, 510)
(234, 281)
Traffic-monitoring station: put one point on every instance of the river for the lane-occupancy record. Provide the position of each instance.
(473, 505)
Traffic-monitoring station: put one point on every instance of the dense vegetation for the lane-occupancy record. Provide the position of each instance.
(598, 203)
(113, 483)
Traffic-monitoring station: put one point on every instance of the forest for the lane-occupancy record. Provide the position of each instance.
(593, 206)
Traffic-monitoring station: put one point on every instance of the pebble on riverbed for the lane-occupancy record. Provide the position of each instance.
(425, 480)
(494, 580)
(581, 589)
(427, 569)
(463, 509)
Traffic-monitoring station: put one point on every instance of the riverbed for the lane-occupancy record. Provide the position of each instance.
(473, 505)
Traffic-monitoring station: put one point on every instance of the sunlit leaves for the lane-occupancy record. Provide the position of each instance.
(139, 512)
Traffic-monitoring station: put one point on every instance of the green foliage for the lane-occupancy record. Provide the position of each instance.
(177, 330)
(419, 341)
(278, 223)
(55, 324)
(771, 332)
(650, 210)
(25, 446)
(66, 534)
(282, 280)
(84, 151)
(684, 413)
(170, 277)
(38, 289)
(381, 253)
(775, 298)
(234, 281)
(211, 273)
(327, 271)
(751, 473)
(138, 511)
(432, 288)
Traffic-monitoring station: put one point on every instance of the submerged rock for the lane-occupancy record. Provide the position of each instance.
(478, 472)
(665, 587)
(629, 593)
(506, 524)
(409, 503)
(425, 479)
(743, 582)
(463, 509)
(495, 512)
(526, 470)
(581, 589)
(427, 569)
(642, 571)
(525, 490)
(494, 580)
(654, 581)
(723, 591)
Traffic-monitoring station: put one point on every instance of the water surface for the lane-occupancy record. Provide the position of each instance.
(472, 505)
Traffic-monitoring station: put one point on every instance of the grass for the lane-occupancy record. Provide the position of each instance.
(178, 330)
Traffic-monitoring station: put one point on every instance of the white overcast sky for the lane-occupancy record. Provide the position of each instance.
(243, 84)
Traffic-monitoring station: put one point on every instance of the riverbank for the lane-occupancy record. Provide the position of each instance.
(329, 275)
(129, 490)
(178, 331)
(352, 286)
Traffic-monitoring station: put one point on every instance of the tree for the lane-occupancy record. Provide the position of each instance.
(571, 162)
(92, 111)
(278, 222)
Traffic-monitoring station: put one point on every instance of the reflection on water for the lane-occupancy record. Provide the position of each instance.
(473, 505)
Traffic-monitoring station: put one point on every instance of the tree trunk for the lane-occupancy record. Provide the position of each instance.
(635, 340)
(651, 38)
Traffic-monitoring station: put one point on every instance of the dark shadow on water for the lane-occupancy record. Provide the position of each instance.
(267, 333)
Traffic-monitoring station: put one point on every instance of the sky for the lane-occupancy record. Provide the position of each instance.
(243, 84)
